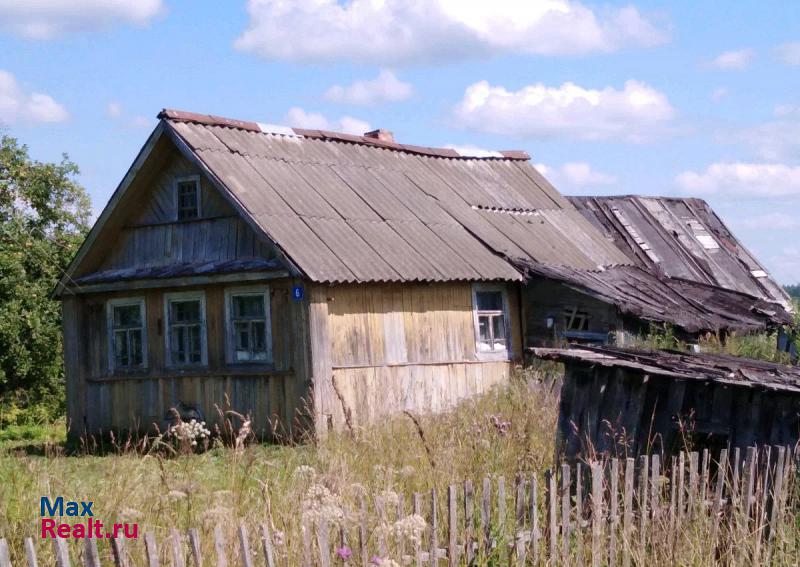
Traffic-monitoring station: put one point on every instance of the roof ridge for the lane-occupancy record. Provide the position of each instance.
(327, 135)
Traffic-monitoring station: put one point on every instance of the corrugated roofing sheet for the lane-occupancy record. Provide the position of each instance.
(352, 209)
(680, 238)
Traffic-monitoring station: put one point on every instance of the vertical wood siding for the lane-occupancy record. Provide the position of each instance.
(152, 236)
(141, 399)
(404, 347)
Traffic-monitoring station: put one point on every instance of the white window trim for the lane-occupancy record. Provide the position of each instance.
(186, 295)
(263, 290)
(176, 198)
(123, 302)
(499, 354)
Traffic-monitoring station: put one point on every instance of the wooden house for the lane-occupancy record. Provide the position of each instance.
(618, 402)
(312, 279)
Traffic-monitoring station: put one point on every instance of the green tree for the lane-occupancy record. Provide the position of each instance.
(44, 217)
(793, 290)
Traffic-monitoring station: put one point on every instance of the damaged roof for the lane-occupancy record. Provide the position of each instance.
(690, 305)
(681, 238)
(361, 209)
(721, 368)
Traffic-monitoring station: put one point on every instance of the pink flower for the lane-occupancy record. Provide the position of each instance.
(344, 553)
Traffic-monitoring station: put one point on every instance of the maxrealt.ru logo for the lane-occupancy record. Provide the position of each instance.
(49, 510)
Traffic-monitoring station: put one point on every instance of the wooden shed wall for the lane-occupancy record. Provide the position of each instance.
(545, 298)
(623, 412)
(98, 401)
(397, 347)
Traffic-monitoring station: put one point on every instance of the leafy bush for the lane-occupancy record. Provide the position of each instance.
(43, 219)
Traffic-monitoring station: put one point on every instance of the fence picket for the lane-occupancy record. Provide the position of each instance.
(566, 507)
(644, 495)
(5, 557)
(194, 547)
(176, 544)
(486, 514)
(434, 552)
(323, 543)
(119, 553)
(520, 549)
(244, 547)
(305, 534)
(151, 549)
(704, 473)
(627, 518)
(655, 487)
(579, 524)
(613, 498)
(91, 557)
(469, 518)
(716, 506)
(692, 483)
(62, 552)
(417, 504)
(452, 526)
(534, 513)
(266, 545)
(552, 514)
(30, 553)
(777, 496)
(362, 528)
(597, 513)
(681, 488)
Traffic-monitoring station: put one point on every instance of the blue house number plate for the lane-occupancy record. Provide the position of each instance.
(297, 292)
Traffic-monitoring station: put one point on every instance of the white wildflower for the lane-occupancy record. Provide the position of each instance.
(320, 504)
(305, 472)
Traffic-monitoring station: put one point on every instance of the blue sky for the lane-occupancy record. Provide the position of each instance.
(683, 98)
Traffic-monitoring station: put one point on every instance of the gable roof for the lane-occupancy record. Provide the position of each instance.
(357, 209)
(680, 238)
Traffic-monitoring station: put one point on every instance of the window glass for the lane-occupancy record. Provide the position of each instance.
(490, 317)
(127, 330)
(248, 312)
(185, 331)
(188, 200)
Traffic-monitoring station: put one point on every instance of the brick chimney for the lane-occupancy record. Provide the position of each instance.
(380, 134)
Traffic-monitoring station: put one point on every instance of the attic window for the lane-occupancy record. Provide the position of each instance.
(187, 193)
(575, 320)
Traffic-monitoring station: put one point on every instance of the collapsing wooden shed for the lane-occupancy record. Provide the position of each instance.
(624, 402)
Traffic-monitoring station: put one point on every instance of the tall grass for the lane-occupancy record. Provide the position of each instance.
(510, 428)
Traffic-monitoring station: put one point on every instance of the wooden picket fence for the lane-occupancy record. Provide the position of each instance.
(739, 507)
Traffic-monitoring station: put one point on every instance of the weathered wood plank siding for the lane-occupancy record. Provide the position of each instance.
(98, 400)
(621, 412)
(546, 298)
(401, 347)
(152, 236)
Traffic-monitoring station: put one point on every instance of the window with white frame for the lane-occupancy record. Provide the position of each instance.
(490, 306)
(127, 334)
(248, 325)
(187, 198)
(185, 314)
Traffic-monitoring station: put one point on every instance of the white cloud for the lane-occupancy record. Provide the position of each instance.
(386, 87)
(17, 105)
(47, 19)
(774, 140)
(738, 59)
(114, 109)
(412, 31)
(473, 151)
(636, 113)
(575, 175)
(299, 118)
(718, 94)
(789, 53)
(770, 221)
(756, 180)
